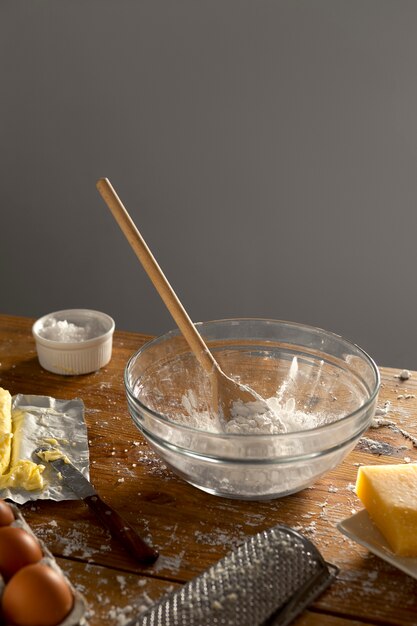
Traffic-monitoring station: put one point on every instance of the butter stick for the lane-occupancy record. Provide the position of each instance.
(5, 429)
(23, 472)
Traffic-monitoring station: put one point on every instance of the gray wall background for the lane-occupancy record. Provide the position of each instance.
(266, 150)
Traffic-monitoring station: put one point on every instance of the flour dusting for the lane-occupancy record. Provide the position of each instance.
(268, 417)
(263, 416)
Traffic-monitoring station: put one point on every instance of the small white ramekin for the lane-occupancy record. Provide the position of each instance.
(73, 357)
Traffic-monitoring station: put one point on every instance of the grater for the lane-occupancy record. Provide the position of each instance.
(268, 580)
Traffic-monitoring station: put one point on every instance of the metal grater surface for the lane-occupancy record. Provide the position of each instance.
(268, 580)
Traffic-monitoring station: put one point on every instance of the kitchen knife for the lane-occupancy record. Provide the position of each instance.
(118, 527)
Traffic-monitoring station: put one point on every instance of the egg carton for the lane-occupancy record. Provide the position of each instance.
(77, 616)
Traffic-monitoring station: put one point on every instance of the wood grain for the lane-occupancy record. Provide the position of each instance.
(191, 529)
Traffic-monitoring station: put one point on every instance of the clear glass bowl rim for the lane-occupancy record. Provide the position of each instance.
(255, 436)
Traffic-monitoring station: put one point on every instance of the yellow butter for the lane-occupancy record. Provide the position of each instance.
(52, 454)
(15, 471)
(389, 494)
(5, 429)
(24, 475)
(51, 441)
(18, 427)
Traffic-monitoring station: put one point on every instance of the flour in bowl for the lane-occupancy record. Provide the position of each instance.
(250, 418)
(270, 416)
(254, 418)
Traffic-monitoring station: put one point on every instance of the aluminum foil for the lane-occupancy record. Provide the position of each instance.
(48, 419)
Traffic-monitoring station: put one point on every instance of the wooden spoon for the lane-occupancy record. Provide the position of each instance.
(226, 391)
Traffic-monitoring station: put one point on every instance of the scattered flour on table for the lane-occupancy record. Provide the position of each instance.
(121, 616)
(380, 419)
(218, 537)
(404, 375)
(376, 447)
(254, 519)
(73, 543)
(173, 563)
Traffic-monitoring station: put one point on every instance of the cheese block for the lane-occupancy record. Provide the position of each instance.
(5, 429)
(389, 494)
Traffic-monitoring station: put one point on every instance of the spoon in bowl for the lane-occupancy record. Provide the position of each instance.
(226, 391)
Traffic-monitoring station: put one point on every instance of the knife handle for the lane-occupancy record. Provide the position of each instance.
(121, 530)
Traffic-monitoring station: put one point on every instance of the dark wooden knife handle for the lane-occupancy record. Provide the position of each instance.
(122, 531)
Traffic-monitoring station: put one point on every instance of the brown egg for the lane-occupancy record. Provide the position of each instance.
(17, 549)
(6, 514)
(36, 595)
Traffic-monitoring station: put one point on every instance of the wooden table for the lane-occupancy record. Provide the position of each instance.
(191, 529)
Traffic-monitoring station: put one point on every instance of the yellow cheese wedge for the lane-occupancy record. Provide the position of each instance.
(5, 429)
(389, 494)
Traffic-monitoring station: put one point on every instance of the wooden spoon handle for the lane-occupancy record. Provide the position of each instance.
(148, 261)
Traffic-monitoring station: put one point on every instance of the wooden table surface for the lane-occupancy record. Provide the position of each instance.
(192, 529)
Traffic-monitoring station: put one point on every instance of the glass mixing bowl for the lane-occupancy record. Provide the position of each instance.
(328, 380)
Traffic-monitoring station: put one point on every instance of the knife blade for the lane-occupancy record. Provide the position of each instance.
(119, 528)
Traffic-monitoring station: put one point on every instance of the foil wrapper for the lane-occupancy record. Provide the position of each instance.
(46, 420)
